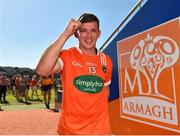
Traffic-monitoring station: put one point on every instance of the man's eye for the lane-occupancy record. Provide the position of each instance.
(93, 30)
(82, 30)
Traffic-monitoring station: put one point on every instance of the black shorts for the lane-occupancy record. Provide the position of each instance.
(59, 97)
(46, 87)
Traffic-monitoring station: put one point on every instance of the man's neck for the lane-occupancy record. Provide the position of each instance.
(89, 51)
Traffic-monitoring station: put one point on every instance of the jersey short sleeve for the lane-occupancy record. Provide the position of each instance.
(62, 58)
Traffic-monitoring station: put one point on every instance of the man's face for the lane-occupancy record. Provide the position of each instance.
(89, 33)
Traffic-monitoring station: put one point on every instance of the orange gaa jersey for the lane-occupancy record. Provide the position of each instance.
(85, 103)
(46, 80)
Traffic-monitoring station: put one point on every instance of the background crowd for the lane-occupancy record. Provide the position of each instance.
(27, 88)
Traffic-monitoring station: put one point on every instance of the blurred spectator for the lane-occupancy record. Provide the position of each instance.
(17, 87)
(23, 88)
(13, 86)
(46, 84)
(4, 82)
(58, 93)
(33, 84)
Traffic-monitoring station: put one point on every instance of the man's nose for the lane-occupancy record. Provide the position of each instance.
(89, 35)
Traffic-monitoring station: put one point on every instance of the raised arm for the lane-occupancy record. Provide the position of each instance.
(49, 64)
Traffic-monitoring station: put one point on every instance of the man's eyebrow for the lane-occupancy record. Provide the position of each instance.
(84, 29)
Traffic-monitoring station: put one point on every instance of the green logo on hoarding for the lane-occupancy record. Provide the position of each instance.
(89, 83)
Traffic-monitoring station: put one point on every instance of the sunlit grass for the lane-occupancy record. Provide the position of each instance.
(13, 104)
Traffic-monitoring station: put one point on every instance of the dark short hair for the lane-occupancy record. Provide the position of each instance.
(87, 17)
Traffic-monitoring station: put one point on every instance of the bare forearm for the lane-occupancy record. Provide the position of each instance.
(49, 60)
(50, 56)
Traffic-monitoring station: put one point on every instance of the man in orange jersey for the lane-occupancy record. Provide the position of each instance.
(86, 75)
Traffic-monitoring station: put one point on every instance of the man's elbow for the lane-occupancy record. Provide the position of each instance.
(40, 71)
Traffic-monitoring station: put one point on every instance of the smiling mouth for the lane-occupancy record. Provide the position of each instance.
(88, 41)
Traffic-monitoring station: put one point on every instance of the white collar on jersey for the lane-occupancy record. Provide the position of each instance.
(80, 51)
(102, 58)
